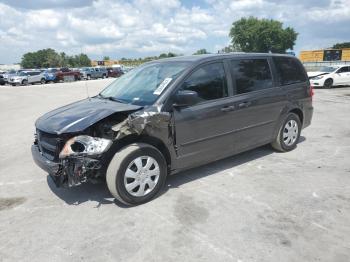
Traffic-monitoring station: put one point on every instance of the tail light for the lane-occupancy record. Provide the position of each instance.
(311, 91)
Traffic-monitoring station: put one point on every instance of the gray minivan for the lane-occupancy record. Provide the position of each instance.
(173, 114)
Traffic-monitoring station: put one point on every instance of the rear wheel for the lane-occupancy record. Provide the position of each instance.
(328, 83)
(136, 174)
(288, 135)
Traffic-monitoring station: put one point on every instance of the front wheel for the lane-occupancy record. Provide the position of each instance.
(328, 83)
(25, 82)
(136, 174)
(42, 81)
(288, 135)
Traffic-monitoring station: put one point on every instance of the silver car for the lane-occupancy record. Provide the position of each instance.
(27, 77)
(7, 75)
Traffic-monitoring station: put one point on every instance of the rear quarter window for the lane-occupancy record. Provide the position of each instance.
(289, 71)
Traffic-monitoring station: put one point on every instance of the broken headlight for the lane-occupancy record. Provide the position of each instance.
(85, 145)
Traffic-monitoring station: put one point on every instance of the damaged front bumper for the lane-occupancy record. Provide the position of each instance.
(68, 172)
(45, 164)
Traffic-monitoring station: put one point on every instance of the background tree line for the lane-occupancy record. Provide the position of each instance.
(247, 35)
(46, 58)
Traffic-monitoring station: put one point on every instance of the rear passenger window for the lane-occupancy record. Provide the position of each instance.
(289, 71)
(209, 82)
(251, 75)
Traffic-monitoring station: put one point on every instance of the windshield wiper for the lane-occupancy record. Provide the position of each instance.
(112, 98)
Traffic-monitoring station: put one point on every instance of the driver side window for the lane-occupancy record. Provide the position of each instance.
(209, 81)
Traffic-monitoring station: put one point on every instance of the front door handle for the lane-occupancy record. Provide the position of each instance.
(227, 108)
(244, 104)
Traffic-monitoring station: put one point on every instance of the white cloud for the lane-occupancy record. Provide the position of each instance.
(144, 27)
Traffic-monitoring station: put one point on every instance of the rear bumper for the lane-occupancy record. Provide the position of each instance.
(308, 113)
(50, 167)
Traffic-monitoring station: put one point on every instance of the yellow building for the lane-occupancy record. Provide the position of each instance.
(104, 62)
(311, 56)
(325, 55)
(345, 54)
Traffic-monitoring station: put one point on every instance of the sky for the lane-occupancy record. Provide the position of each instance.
(139, 28)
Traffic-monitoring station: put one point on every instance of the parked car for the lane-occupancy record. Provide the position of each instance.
(114, 72)
(66, 74)
(8, 74)
(93, 72)
(173, 114)
(330, 76)
(50, 74)
(85, 73)
(2, 81)
(27, 77)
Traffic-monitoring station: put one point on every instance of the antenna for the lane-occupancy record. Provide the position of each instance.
(86, 87)
(87, 90)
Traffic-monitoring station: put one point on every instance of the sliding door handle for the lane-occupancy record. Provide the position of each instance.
(227, 108)
(244, 104)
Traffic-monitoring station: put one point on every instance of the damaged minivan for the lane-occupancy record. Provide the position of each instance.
(173, 114)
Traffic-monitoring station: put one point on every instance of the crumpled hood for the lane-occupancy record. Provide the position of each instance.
(78, 116)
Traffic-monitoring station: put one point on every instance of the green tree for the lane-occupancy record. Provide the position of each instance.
(50, 58)
(106, 58)
(262, 35)
(201, 52)
(163, 55)
(341, 45)
(82, 60)
(229, 49)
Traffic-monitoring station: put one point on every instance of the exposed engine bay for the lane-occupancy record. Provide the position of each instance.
(83, 156)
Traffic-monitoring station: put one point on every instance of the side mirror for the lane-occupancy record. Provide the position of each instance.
(185, 98)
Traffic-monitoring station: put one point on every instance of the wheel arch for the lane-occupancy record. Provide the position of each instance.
(289, 109)
(328, 78)
(299, 113)
(146, 139)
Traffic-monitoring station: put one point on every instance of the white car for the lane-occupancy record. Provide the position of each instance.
(330, 76)
(25, 78)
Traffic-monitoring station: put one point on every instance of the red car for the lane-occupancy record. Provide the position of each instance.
(66, 74)
(114, 72)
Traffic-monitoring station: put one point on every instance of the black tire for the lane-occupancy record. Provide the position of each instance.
(280, 143)
(118, 166)
(88, 77)
(42, 81)
(104, 76)
(328, 83)
(25, 82)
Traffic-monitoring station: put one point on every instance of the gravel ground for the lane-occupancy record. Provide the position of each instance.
(256, 206)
